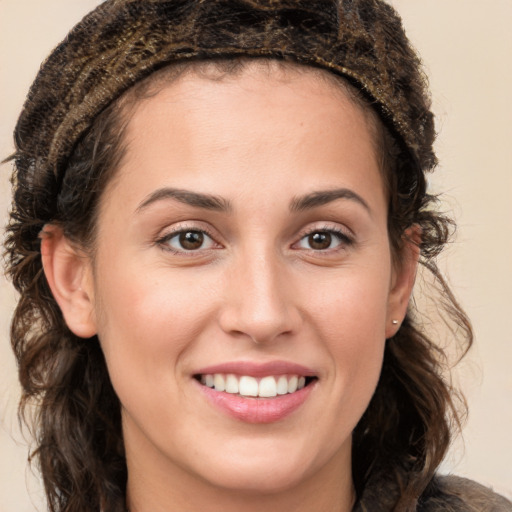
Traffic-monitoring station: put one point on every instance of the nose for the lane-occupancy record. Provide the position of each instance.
(259, 301)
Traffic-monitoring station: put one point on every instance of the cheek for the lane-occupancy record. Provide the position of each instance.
(357, 344)
(351, 321)
(350, 304)
(152, 318)
(357, 359)
(150, 324)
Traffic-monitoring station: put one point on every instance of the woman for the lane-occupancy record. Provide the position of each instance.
(219, 211)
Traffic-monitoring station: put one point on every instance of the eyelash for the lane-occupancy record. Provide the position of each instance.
(164, 241)
(343, 238)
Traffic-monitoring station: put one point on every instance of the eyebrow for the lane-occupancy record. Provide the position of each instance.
(216, 203)
(195, 199)
(322, 197)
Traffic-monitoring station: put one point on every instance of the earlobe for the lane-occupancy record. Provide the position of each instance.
(69, 276)
(403, 280)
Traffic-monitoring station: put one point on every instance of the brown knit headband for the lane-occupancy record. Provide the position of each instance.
(123, 41)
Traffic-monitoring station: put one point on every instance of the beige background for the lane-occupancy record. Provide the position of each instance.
(467, 49)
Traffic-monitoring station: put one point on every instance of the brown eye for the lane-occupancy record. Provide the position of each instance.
(320, 240)
(191, 240)
(188, 241)
(324, 240)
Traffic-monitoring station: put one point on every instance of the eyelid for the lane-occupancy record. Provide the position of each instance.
(344, 234)
(182, 227)
(329, 227)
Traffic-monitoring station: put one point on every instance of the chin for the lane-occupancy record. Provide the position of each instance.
(258, 479)
(262, 468)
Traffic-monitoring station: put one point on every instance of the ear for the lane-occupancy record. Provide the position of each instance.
(69, 275)
(404, 275)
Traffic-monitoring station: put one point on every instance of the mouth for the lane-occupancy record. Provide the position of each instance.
(257, 392)
(247, 386)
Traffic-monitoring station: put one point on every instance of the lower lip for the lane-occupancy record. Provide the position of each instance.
(257, 410)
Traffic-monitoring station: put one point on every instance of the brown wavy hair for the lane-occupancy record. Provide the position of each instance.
(406, 430)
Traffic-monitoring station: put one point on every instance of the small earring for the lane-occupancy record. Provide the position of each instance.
(395, 322)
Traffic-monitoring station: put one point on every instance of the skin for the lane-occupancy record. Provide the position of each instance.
(255, 291)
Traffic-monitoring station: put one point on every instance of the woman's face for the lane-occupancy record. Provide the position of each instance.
(244, 235)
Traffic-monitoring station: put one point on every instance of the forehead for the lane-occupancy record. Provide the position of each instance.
(247, 70)
(198, 125)
(278, 83)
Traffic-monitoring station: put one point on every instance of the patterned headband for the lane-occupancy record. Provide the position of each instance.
(123, 41)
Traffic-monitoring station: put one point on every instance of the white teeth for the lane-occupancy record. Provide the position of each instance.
(292, 384)
(231, 384)
(245, 385)
(268, 387)
(248, 386)
(282, 385)
(218, 382)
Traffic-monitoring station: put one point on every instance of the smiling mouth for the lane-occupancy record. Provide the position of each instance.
(251, 387)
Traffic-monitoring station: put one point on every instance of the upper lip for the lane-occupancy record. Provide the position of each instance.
(257, 369)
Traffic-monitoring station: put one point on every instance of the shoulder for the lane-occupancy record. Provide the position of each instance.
(456, 494)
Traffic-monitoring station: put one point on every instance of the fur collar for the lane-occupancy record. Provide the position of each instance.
(443, 494)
